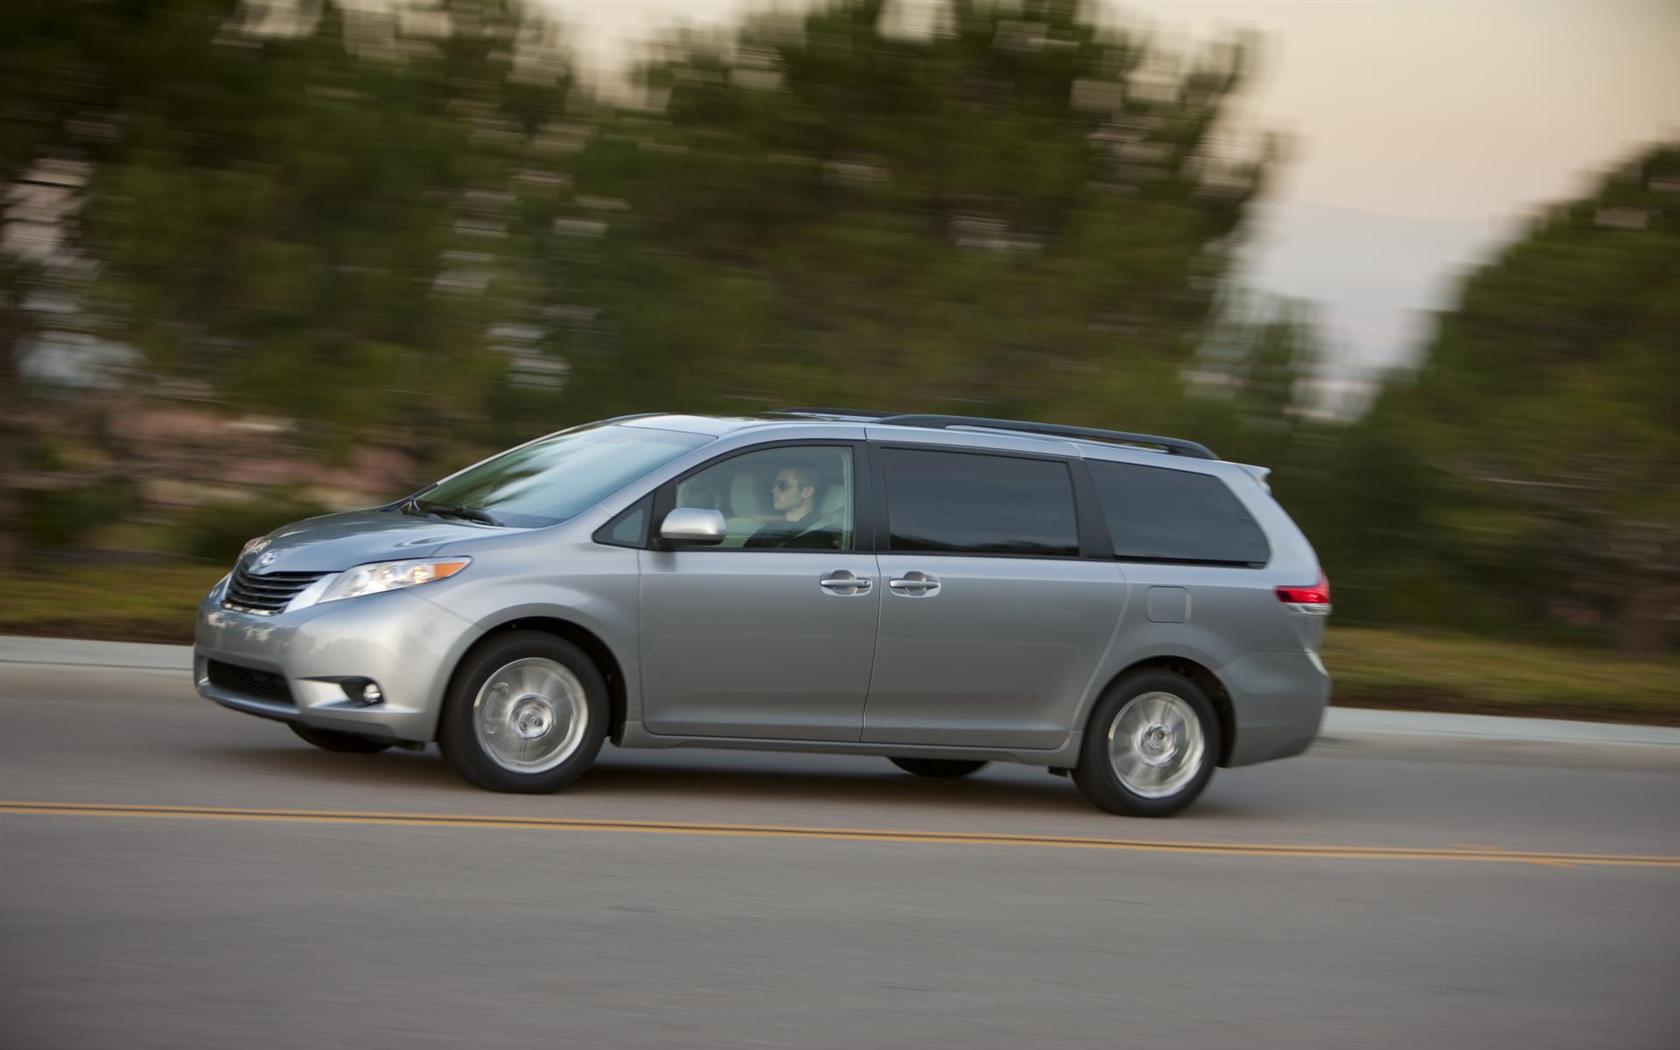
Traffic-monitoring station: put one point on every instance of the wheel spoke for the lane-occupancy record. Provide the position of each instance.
(531, 715)
(1156, 744)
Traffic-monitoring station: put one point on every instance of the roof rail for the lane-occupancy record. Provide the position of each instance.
(1170, 445)
(857, 413)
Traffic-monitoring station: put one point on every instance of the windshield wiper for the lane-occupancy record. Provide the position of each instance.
(411, 505)
(483, 517)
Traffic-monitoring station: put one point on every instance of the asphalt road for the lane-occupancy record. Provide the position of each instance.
(174, 875)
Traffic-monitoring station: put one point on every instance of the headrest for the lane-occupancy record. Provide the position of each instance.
(746, 498)
(833, 500)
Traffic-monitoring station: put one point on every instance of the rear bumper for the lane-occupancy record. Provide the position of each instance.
(1278, 700)
(405, 644)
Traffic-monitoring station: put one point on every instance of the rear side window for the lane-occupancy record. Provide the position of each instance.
(977, 504)
(1160, 514)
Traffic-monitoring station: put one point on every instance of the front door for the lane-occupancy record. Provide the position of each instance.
(991, 623)
(770, 635)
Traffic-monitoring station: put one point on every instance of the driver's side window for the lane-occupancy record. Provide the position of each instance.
(796, 497)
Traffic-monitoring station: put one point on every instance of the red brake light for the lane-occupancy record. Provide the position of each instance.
(1317, 594)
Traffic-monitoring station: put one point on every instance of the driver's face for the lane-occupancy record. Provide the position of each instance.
(789, 489)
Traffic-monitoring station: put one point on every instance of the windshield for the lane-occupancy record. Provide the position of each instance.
(557, 477)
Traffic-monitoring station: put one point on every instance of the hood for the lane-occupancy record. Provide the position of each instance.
(335, 542)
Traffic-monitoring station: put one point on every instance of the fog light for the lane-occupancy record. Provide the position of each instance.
(361, 690)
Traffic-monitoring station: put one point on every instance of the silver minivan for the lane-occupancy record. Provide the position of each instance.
(941, 591)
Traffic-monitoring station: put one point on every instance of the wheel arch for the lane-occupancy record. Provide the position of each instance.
(593, 646)
(1196, 672)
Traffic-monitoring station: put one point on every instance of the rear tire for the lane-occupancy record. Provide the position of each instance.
(333, 740)
(526, 712)
(938, 768)
(1150, 746)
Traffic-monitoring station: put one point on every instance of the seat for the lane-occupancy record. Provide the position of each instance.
(746, 509)
(832, 514)
(833, 501)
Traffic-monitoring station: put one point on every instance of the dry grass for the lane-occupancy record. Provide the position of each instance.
(125, 603)
(1426, 672)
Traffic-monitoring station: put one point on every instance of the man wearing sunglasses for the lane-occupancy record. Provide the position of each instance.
(795, 525)
(792, 494)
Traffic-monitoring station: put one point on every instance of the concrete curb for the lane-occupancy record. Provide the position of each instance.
(75, 652)
(1339, 722)
(1366, 723)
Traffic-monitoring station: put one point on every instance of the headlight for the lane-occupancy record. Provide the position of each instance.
(391, 576)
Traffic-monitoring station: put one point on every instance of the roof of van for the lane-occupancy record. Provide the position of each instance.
(1089, 436)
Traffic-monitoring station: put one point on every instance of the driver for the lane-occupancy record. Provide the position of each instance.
(794, 524)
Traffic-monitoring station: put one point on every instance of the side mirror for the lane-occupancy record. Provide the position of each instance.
(693, 526)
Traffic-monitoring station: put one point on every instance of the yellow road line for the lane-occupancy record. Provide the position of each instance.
(449, 820)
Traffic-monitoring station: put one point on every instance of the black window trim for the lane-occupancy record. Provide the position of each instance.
(1092, 532)
(863, 539)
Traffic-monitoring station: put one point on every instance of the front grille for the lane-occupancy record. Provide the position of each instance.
(265, 685)
(266, 592)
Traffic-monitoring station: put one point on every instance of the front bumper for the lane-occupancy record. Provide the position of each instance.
(402, 642)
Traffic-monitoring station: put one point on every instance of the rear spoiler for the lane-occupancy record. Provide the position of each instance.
(1259, 474)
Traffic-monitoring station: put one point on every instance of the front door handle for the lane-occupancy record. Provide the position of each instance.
(844, 582)
(914, 584)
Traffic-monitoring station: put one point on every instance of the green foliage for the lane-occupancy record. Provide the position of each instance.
(1002, 219)
(217, 531)
(321, 233)
(57, 518)
(1540, 439)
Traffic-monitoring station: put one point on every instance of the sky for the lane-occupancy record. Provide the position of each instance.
(1422, 132)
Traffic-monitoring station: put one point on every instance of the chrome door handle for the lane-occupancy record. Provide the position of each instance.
(914, 584)
(845, 582)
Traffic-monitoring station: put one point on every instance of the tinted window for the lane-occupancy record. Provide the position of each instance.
(1159, 514)
(552, 479)
(785, 498)
(955, 501)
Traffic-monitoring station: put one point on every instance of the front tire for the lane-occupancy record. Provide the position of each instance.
(1150, 746)
(333, 740)
(526, 712)
(938, 768)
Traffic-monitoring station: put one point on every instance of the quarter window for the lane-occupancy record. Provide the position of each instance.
(979, 504)
(1161, 514)
(629, 529)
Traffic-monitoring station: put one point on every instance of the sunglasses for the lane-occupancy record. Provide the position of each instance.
(783, 484)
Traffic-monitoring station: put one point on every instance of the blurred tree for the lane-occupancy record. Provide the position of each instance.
(315, 219)
(1548, 411)
(1255, 372)
(303, 209)
(1018, 214)
(63, 70)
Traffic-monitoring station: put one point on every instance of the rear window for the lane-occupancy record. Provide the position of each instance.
(1160, 514)
(967, 503)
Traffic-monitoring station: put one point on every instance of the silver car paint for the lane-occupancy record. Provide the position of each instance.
(994, 655)
(1263, 654)
(747, 643)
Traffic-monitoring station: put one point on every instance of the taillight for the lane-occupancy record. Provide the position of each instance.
(1317, 594)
